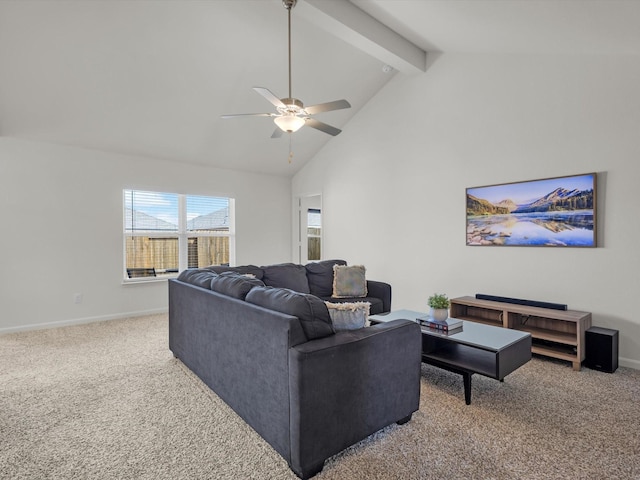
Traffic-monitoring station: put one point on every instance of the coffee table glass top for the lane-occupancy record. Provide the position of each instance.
(474, 334)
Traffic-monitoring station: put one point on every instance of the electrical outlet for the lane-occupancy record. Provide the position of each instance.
(77, 298)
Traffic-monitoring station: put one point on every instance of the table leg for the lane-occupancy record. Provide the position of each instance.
(466, 377)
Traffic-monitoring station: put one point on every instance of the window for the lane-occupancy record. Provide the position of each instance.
(165, 233)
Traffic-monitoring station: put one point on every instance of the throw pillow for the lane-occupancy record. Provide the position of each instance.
(349, 281)
(349, 316)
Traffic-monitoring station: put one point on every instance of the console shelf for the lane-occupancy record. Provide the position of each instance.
(555, 333)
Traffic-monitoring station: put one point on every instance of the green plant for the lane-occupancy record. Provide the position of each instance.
(438, 301)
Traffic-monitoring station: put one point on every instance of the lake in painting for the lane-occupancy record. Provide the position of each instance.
(551, 212)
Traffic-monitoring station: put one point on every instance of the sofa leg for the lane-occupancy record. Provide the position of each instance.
(404, 420)
(310, 472)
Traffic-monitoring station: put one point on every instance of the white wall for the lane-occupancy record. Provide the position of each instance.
(61, 213)
(393, 184)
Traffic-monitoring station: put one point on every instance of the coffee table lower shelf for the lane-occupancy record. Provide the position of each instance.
(465, 361)
(451, 353)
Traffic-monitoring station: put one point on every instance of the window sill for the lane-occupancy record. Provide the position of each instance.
(139, 281)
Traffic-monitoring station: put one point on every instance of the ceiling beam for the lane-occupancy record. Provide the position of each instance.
(348, 22)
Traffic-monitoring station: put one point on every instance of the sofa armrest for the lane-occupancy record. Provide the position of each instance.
(382, 291)
(347, 386)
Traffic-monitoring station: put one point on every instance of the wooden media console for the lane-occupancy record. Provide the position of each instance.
(555, 333)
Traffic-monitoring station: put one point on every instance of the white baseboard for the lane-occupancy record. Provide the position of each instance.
(79, 321)
(627, 362)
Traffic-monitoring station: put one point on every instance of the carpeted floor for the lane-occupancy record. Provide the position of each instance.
(108, 400)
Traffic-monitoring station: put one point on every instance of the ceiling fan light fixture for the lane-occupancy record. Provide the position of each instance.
(289, 123)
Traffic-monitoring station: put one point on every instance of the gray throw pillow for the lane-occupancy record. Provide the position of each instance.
(349, 281)
(349, 316)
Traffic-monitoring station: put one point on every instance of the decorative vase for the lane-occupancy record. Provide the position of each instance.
(439, 314)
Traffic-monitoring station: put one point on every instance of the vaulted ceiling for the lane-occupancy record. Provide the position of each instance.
(152, 77)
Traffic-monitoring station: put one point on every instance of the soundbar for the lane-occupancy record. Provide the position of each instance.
(519, 301)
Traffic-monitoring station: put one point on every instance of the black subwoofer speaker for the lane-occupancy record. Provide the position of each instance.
(601, 346)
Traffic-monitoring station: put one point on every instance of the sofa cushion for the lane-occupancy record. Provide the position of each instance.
(320, 277)
(349, 315)
(234, 285)
(197, 276)
(349, 281)
(242, 270)
(286, 275)
(310, 310)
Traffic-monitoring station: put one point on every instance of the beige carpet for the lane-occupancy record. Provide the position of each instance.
(108, 400)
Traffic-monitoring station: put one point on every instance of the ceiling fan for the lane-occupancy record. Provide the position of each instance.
(292, 114)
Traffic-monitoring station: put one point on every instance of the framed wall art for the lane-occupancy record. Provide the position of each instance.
(551, 212)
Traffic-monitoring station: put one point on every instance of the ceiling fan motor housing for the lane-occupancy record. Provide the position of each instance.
(293, 106)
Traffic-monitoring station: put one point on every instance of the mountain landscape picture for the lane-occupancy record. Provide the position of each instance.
(557, 212)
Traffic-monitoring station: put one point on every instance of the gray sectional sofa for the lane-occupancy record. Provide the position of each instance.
(272, 354)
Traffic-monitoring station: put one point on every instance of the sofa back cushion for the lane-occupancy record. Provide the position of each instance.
(320, 277)
(310, 310)
(234, 285)
(286, 275)
(197, 276)
(242, 270)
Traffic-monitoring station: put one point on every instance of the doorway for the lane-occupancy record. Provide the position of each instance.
(309, 241)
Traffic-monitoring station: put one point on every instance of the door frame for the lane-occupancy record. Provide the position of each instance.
(301, 205)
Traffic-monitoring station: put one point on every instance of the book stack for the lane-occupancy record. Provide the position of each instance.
(448, 325)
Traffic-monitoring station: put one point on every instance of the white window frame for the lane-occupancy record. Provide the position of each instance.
(182, 234)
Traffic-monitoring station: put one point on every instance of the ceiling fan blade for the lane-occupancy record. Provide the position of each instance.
(248, 115)
(327, 107)
(323, 127)
(277, 133)
(266, 93)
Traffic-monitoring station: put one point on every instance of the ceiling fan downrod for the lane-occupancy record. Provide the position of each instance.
(289, 4)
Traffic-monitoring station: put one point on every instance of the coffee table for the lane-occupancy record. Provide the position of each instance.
(475, 348)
